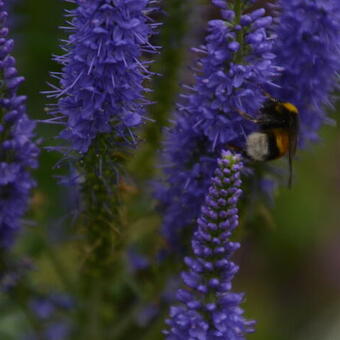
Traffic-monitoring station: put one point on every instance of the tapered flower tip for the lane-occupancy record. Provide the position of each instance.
(220, 3)
(230, 157)
(208, 308)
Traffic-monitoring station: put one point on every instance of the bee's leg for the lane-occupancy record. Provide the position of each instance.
(237, 149)
(233, 148)
(268, 95)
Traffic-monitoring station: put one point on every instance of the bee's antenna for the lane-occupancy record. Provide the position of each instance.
(267, 94)
(247, 117)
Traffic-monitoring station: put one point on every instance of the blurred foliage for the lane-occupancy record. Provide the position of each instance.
(289, 261)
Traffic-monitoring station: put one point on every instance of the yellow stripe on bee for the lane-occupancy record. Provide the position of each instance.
(282, 141)
(290, 107)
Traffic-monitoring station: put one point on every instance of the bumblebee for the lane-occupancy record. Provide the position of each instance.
(276, 137)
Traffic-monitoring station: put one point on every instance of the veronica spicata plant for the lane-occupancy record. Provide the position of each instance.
(18, 152)
(209, 310)
(237, 63)
(101, 83)
(100, 103)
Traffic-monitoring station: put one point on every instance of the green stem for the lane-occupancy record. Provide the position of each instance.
(238, 8)
(100, 231)
(94, 329)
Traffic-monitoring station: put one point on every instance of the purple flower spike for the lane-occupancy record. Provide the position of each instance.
(209, 310)
(308, 48)
(230, 77)
(101, 83)
(18, 154)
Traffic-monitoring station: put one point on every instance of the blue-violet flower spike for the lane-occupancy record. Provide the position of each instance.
(308, 49)
(209, 310)
(101, 83)
(230, 77)
(18, 153)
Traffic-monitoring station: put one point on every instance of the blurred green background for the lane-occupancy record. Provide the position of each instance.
(290, 257)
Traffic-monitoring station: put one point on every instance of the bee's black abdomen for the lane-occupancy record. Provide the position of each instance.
(273, 148)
